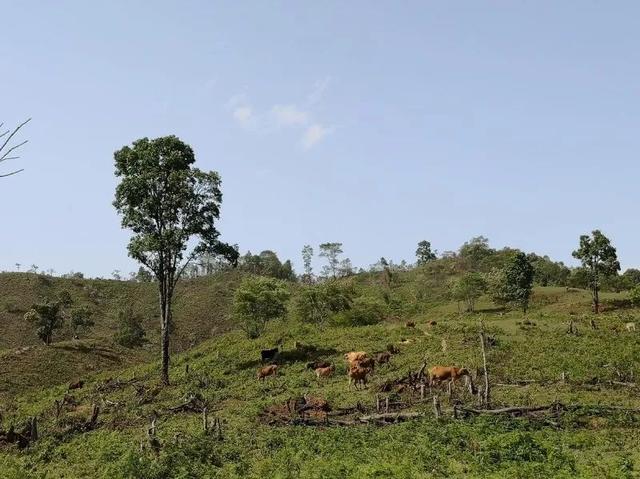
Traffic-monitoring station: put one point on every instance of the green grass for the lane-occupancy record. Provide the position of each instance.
(223, 370)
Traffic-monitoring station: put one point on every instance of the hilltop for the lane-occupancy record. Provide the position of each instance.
(528, 356)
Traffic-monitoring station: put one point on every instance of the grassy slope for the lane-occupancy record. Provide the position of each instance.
(223, 371)
(201, 311)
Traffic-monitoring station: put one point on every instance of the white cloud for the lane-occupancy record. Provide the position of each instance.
(283, 115)
(243, 115)
(289, 115)
(313, 135)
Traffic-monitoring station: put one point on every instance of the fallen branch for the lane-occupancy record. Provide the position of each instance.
(391, 416)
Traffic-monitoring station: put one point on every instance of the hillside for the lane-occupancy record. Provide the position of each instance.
(527, 359)
(201, 311)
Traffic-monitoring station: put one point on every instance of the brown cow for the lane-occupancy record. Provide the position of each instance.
(383, 358)
(325, 372)
(410, 324)
(77, 385)
(270, 370)
(432, 323)
(444, 373)
(354, 356)
(318, 364)
(368, 363)
(358, 375)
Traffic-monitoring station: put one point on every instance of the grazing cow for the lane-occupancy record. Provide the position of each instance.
(318, 364)
(432, 323)
(383, 358)
(77, 385)
(443, 373)
(358, 375)
(270, 370)
(354, 356)
(368, 363)
(325, 372)
(630, 326)
(410, 324)
(269, 354)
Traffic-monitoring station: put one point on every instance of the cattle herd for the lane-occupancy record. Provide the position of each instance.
(360, 365)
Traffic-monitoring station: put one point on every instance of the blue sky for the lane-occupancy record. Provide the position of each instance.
(377, 124)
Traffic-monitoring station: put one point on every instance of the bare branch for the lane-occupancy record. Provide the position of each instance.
(5, 154)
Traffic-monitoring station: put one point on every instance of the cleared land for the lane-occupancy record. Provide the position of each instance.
(526, 363)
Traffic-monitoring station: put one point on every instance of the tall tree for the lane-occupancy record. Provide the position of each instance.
(167, 202)
(424, 253)
(7, 149)
(599, 259)
(331, 251)
(513, 283)
(307, 256)
(475, 253)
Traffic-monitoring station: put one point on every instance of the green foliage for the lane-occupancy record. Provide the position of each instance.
(47, 317)
(65, 299)
(81, 319)
(331, 251)
(317, 303)
(513, 283)
(548, 272)
(307, 256)
(258, 300)
(468, 289)
(267, 263)
(364, 311)
(130, 332)
(167, 202)
(579, 278)
(634, 295)
(424, 253)
(599, 259)
(143, 275)
(476, 253)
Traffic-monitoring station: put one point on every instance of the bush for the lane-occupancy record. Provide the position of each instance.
(130, 333)
(634, 295)
(257, 300)
(364, 311)
(317, 303)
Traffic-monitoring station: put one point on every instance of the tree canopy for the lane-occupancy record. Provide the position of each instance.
(167, 203)
(599, 259)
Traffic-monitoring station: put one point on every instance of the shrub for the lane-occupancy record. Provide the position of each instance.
(364, 311)
(257, 300)
(130, 332)
(634, 295)
(47, 316)
(317, 303)
(468, 289)
(81, 319)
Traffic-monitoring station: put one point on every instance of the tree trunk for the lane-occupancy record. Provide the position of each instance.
(165, 316)
(487, 391)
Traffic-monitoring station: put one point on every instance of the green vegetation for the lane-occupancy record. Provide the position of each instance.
(167, 202)
(47, 318)
(130, 333)
(257, 300)
(599, 260)
(532, 361)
